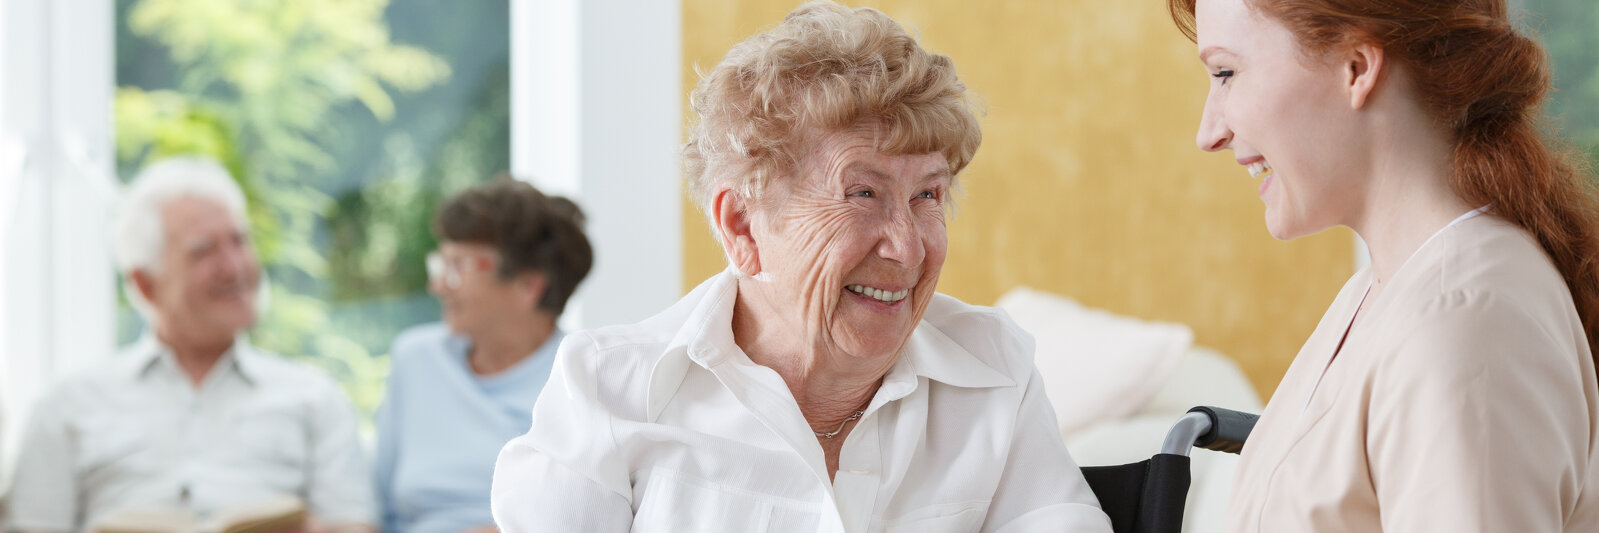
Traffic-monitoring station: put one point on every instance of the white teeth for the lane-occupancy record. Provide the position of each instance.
(879, 294)
(1259, 169)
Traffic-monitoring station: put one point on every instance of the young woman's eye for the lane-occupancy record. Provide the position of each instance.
(1223, 75)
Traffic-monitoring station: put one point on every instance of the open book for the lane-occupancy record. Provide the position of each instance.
(282, 514)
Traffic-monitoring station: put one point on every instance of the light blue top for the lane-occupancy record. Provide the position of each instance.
(441, 427)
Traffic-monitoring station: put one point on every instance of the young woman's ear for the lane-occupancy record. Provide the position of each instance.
(1364, 66)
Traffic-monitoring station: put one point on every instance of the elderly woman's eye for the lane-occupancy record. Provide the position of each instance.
(929, 194)
(863, 193)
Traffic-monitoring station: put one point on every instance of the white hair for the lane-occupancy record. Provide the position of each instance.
(138, 232)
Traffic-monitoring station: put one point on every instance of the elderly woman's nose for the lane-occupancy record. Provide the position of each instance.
(1213, 131)
(902, 242)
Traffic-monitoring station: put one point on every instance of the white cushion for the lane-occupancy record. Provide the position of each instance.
(1203, 376)
(1122, 441)
(1096, 365)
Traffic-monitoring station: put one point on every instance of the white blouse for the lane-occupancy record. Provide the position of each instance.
(666, 425)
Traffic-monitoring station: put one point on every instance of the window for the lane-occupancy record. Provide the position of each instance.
(1569, 32)
(346, 123)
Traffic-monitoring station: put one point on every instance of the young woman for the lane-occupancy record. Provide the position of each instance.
(1450, 386)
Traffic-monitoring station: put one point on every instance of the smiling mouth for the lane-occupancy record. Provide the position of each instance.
(1260, 170)
(879, 294)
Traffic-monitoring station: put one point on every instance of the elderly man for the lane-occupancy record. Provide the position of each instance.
(190, 418)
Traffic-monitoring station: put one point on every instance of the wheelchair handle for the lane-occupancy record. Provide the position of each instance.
(1228, 429)
(1183, 433)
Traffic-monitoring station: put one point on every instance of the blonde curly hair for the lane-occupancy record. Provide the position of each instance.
(825, 68)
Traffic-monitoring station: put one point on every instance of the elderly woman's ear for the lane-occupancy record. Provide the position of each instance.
(733, 225)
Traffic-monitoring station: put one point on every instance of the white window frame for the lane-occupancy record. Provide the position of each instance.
(596, 98)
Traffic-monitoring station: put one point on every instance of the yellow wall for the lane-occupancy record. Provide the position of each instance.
(1088, 183)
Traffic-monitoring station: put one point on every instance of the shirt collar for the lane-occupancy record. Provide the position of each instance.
(149, 351)
(706, 339)
(933, 354)
(710, 305)
(456, 344)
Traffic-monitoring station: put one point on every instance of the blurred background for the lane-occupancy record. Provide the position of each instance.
(347, 121)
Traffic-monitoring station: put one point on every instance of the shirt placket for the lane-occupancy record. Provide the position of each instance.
(192, 443)
(208, 438)
(177, 429)
(860, 474)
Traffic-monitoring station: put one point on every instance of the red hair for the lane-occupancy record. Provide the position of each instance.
(1486, 82)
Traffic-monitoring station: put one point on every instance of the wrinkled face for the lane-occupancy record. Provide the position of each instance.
(854, 242)
(1286, 118)
(468, 286)
(209, 273)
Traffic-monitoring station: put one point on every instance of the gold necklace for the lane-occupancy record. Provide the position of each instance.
(841, 425)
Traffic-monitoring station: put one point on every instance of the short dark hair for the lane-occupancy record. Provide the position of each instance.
(531, 231)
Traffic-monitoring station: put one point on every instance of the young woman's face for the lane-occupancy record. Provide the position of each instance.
(1286, 116)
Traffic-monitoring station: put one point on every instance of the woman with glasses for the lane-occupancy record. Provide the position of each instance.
(509, 257)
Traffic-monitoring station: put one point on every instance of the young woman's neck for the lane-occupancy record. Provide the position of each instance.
(1409, 198)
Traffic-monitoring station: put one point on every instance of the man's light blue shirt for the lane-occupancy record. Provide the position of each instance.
(441, 427)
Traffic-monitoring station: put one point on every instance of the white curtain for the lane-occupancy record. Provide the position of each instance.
(57, 299)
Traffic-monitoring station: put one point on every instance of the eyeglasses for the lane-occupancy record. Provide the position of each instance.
(447, 270)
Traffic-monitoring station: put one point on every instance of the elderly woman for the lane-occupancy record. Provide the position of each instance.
(509, 258)
(819, 384)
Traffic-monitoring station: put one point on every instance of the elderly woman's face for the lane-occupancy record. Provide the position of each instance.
(856, 240)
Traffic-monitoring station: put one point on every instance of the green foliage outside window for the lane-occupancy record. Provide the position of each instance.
(343, 139)
(1569, 31)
